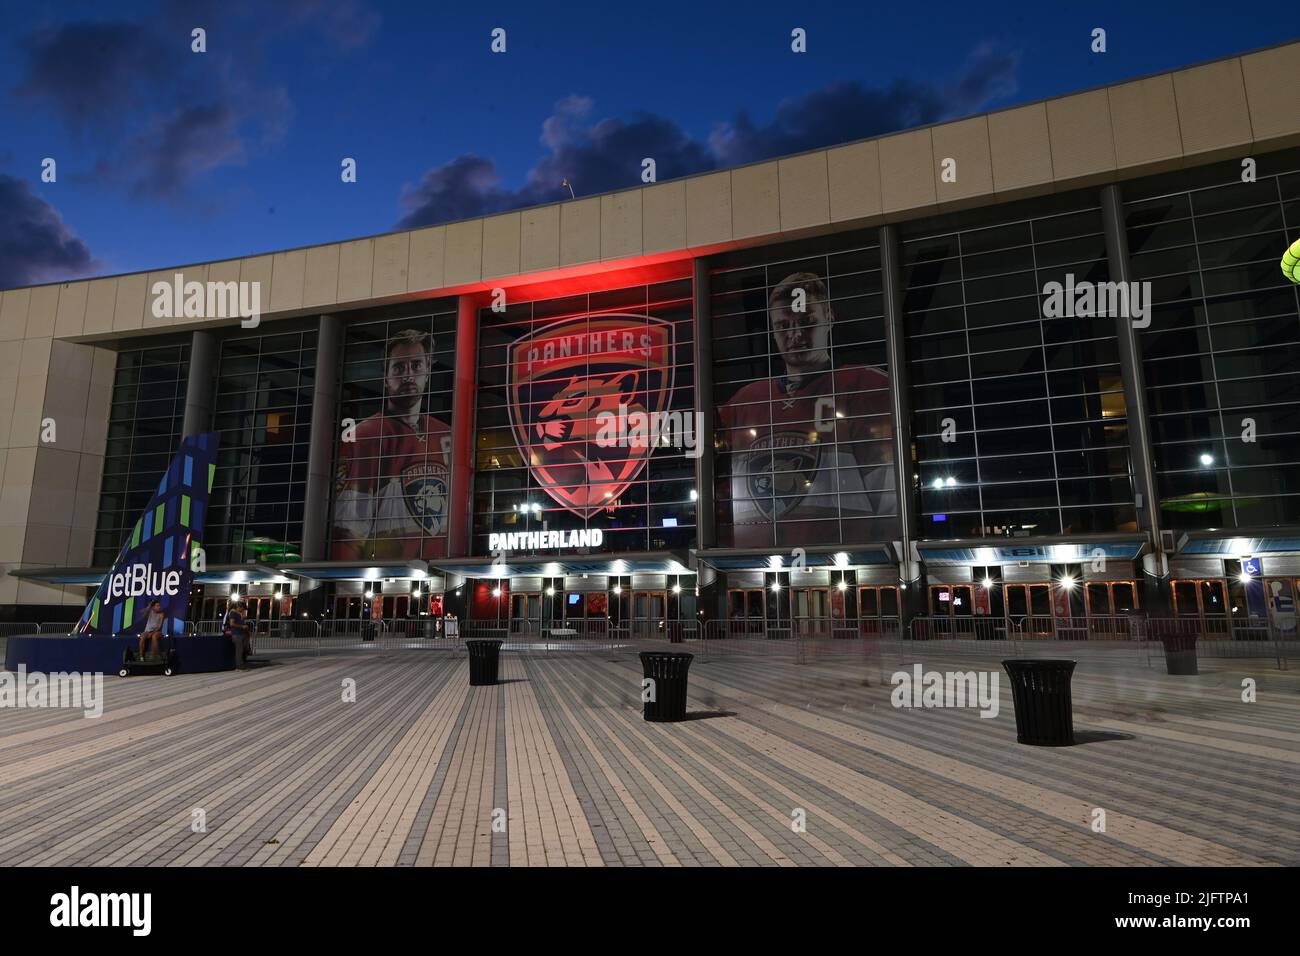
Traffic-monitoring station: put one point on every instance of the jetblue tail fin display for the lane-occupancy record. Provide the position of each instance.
(156, 562)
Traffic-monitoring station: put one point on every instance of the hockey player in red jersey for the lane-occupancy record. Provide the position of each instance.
(804, 449)
(392, 483)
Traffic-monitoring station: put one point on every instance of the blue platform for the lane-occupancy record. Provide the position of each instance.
(90, 655)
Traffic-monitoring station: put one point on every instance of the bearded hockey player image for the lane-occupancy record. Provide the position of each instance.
(390, 496)
(805, 451)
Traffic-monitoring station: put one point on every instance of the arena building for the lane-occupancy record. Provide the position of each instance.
(1038, 367)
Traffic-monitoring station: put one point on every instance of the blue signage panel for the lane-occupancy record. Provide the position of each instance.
(155, 563)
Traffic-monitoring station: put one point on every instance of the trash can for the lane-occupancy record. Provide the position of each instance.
(1040, 690)
(1180, 649)
(483, 658)
(665, 699)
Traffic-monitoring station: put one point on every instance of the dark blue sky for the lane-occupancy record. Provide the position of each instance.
(166, 157)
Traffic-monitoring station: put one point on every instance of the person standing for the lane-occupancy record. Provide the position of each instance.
(153, 625)
(237, 628)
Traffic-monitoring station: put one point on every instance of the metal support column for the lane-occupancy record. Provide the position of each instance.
(324, 435)
(199, 387)
(1155, 566)
(710, 600)
(911, 594)
(463, 411)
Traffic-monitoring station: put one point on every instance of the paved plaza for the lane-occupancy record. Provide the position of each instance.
(281, 771)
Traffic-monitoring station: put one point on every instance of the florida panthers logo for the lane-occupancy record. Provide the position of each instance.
(777, 474)
(569, 379)
(424, 486)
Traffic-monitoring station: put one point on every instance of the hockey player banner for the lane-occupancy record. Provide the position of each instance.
(156, 562)
(394, 467)
(568, 383)
(810, 437)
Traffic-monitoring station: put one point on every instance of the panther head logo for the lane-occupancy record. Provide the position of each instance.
(575, 412)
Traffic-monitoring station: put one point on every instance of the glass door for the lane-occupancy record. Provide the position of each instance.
(811, 611)
(649, 612)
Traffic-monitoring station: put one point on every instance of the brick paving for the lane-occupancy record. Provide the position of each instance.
(555, 767)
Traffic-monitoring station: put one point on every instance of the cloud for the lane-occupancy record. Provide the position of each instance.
(89, 72)
(602, 155)
(35, 244)
(155, 117)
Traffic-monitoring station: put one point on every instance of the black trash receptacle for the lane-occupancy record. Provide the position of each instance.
(483, 658)
(1180, 648)
(1040, 690)
(666, 699)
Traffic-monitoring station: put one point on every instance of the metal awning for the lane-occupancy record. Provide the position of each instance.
(816, 556)
(413, 570)
(1241, 542)
(1045, 550)
(552, 566)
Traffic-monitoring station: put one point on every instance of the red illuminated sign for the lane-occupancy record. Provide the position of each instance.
(569, 383)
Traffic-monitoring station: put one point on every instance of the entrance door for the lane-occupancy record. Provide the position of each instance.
(1205, 602)
(1029, 608)
(525, 613)
(745, 614)
(649, 613)
(811, 611)
(878, 610)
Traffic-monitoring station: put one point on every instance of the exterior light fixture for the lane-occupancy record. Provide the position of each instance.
(496, 592)
(776, 586)
(550, 592)
(1067, 582)
(1207, 460)
(843, 585)
(950, 481)
(938, 484)
(988, 583)
(369, 595)
(677, 589)
(618, 589)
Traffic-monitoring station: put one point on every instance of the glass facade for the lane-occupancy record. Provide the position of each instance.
(801, 384)
(1222, 353)
(393, 474)
(263, 417)
(1019, 420)
(584, 410)
(144, 430)
(564, 440)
